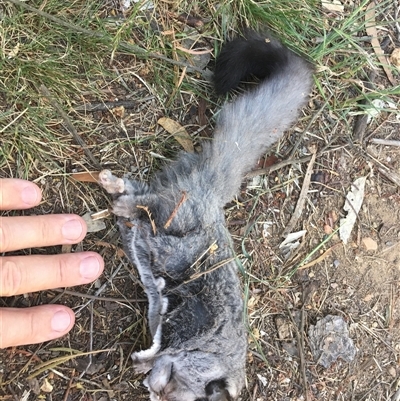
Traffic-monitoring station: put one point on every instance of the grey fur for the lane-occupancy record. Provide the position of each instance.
(182, 249)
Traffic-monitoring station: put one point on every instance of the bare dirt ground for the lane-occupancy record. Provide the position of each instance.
(284, 296)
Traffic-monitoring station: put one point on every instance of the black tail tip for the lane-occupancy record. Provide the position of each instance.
(253, 56)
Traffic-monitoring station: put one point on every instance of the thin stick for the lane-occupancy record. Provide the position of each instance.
(66, 395)
(277, 166)
(91, 107)
(175, 211)
(190, 51)
(302, 358)
(391, 175)
(300, 340)
(68, 125)
(195, 276)
(386, 142)
(303, 195)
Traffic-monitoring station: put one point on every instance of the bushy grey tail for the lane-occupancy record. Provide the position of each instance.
(248, 57)
(250, 124)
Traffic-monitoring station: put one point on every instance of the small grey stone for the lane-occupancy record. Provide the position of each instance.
(329, 340)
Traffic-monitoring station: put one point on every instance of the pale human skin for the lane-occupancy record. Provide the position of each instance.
(25, 274)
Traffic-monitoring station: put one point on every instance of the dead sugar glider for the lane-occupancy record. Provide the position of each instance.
(173, 228)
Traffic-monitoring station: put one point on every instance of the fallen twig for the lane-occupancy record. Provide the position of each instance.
(396, 20)
(372, 157)
(391, 175)
(300, 341)
(90, 343)
(193, 51)
(175, 211)
(67, 391)
(396, 396)
(303, 195)
(69, 126)
(386, 142)
(103, 106)
(276, 166)
(195, 276)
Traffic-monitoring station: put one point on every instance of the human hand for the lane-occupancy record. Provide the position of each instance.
(23, 274)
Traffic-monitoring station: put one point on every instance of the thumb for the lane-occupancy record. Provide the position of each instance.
(34, 325)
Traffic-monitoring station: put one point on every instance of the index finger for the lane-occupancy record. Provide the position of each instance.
(18, 194)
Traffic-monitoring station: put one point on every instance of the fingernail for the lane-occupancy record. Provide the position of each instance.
(29, 195)
(89, 268)
(72, 229)
(60, 321)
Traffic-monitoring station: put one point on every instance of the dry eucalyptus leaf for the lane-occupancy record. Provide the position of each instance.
(377, 106)
(179, 133)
